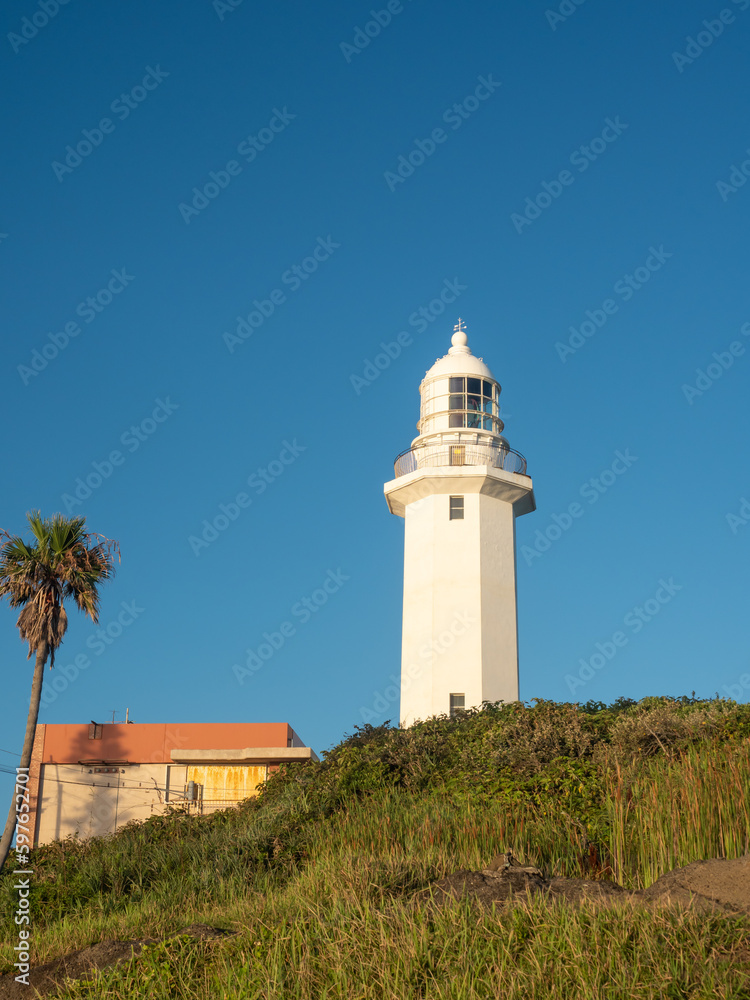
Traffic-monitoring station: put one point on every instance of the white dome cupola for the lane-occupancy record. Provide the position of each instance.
(459, 394)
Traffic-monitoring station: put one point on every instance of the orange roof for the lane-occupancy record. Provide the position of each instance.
(152, 743)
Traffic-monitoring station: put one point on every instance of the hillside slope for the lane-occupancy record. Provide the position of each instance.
(323, 878)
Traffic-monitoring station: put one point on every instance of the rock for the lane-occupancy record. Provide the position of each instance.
(719, 883)
(506, 862)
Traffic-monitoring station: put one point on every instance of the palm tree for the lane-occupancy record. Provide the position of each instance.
(63, 561)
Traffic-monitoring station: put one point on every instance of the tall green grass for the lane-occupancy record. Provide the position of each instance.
(668, 812)
(297, 948)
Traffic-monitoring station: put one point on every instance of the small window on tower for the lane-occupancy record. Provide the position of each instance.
(456, 509)
(458, 704)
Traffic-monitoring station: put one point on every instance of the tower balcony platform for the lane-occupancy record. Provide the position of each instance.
(444, 455)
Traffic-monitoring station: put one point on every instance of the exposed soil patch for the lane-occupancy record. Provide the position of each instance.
(45, 979)
(491, 887)
(705, 885)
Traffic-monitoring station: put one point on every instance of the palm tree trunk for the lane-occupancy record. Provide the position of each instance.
(42, 652)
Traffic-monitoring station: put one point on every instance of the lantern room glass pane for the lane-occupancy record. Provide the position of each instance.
(487, 389)
(488, 406)
(456, 420)
(456, 403)
(456, 385)
(475, 385)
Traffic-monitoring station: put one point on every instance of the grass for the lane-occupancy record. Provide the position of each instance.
(298, 949)
(317, 875)
(696, 807)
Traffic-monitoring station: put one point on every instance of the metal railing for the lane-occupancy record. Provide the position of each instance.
(446, 455)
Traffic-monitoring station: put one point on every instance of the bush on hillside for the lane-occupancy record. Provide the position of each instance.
(516, 749)
(666, 725)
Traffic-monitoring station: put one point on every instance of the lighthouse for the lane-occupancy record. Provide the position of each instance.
(459, 488)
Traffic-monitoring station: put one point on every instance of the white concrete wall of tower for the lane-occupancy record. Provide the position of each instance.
(459, 611)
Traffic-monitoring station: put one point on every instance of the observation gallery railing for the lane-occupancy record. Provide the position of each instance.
(442, 455)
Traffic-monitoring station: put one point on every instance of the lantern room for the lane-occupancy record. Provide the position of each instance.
(459, 393)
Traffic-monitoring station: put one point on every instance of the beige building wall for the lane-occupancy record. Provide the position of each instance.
(91, 801)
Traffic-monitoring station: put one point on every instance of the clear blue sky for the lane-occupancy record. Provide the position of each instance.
(304, 129)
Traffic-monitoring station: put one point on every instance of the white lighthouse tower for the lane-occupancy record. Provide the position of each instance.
(459, 488)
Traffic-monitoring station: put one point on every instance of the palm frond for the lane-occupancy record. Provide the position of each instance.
(65, 562)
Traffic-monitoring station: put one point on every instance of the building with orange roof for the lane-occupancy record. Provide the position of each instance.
(90, 780)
